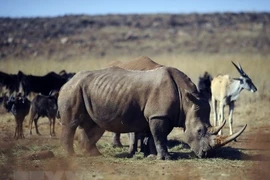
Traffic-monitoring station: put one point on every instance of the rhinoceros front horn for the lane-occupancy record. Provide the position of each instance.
(213, 130)
(222, 140)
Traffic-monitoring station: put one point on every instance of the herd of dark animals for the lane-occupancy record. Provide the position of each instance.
(44, 104)
(16, 98)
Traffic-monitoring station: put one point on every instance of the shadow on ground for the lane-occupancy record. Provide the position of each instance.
(227, 152)
(236, 154)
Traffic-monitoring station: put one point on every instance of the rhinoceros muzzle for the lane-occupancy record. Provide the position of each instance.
(202, 154)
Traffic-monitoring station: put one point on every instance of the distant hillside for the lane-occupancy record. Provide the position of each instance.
(69, 37)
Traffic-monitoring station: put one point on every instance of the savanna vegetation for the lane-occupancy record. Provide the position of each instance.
(248, 158)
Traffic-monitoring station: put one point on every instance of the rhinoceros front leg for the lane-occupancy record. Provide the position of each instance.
(160, 129)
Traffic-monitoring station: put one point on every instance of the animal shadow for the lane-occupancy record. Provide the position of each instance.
(235, 154)
(226, 152)
(123, 155)
(173, 143)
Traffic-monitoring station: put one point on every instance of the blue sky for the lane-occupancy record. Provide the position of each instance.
(30, 8)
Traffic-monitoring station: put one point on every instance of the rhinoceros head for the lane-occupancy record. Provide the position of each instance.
(199, 134)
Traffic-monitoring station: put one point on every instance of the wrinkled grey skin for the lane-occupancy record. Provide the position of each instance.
(124, 101)
(141, 63)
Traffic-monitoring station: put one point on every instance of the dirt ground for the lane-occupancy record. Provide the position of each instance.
(248, 158)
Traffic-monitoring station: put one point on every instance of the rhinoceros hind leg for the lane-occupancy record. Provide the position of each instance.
(94, 133)
(67, 138)
(82, 138)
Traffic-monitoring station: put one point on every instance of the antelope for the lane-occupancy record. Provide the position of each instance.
(226, 90)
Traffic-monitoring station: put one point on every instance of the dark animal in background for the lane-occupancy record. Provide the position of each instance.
(19, 106)
(3, 98)
(66, 75)
(10, 82)
(204, 86)
(41, 84)
(44, 106)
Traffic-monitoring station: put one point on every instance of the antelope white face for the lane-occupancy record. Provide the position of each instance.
(247, 84)
(245, 81)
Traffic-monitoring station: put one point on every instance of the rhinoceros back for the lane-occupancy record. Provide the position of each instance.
(121, 97)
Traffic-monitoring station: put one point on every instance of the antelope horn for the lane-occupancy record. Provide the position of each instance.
(213, 130)
(221, 140)
(238, 68)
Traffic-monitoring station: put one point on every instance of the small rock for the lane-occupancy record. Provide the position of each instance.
(39, 155)
(64, 40)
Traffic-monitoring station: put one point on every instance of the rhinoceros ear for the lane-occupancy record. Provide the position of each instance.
(191, 98)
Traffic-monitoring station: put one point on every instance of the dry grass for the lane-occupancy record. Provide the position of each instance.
(255, 65)
(228, 164)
